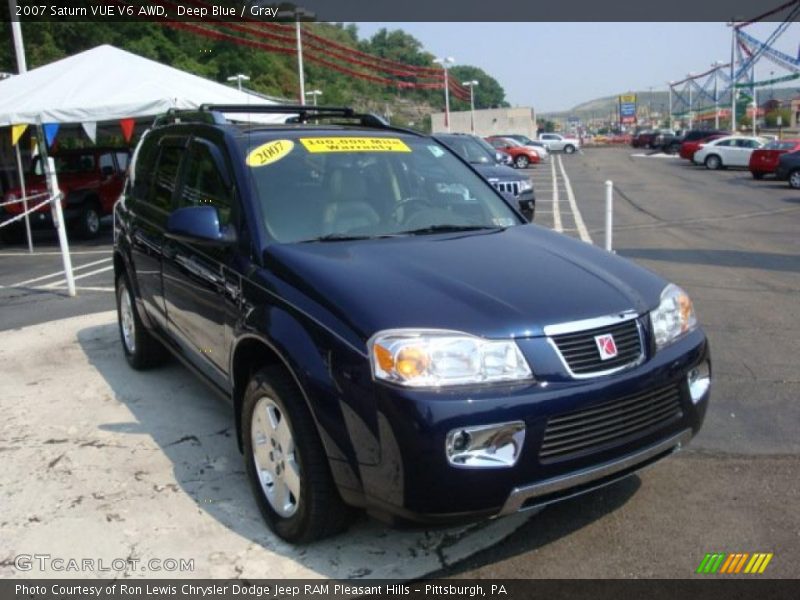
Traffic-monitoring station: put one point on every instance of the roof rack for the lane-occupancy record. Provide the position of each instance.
(300, 113)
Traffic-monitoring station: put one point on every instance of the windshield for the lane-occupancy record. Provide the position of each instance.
(511, 142)
(67, 164)
(469, 150)
(330, 188)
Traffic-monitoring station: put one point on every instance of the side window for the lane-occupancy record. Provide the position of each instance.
(106, 163)
(122, 161)
(724, 143)
(141, 175)
(166, 177)
(204, 185)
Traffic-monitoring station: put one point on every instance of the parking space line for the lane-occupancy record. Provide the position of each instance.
(83, 276)
(82, 288)
(556, 214)
(56, 274)
(579, 224)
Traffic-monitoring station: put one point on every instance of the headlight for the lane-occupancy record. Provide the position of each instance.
(673, 317)
(525, 185)
(434, 358)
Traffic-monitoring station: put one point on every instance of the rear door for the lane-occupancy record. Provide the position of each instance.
(745, 148)
(154, 185)
(201, 290)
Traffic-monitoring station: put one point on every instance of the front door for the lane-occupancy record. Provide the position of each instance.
(200, 290)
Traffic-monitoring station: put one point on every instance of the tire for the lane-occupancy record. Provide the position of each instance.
(280, 438)
(522, 161)
(713, 162)
(569, 149)
(673, 149)
(88, 222)
(757, 175)
(142, 350)
(794, 179)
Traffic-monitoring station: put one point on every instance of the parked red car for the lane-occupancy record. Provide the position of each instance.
(689, 147)
(643, 139)
(523, 156)
(90, 180)
(764, 161)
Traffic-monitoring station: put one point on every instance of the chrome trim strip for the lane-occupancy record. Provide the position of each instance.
(593, 323)
(519, 495)
(639, 359)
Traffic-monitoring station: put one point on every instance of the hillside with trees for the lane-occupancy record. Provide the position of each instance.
(271, 73)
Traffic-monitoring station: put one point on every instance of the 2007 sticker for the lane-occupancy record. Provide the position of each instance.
(268, 153)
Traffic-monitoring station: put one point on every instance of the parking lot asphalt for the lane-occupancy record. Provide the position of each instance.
(730, 241)
(733, 244)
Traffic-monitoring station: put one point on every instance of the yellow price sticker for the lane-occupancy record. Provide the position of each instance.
(268, 153)
(354, 144)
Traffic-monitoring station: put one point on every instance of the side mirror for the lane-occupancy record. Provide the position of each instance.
(199, 225)
(527, 207)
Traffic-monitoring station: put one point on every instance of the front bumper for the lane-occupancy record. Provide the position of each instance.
(420, 485)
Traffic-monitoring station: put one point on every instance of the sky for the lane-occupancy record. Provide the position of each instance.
(554, 66)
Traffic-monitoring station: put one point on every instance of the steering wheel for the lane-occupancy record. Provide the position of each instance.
(404, 208)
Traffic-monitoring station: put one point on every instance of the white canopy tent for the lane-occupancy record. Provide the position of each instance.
(105, 84)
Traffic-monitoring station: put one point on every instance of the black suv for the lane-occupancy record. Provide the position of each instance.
(483, 159)
(392, 334)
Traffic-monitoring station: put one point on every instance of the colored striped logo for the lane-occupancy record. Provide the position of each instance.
(735, 563)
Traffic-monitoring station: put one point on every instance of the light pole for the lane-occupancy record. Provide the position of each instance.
(314, 94)
(296, 14)
(670, 83)
(471, 85)
(444, 61)
(239, 79)
(16, 33)
(691, 114)
(716, 64)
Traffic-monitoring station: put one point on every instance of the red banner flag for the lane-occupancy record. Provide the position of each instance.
(127, 128)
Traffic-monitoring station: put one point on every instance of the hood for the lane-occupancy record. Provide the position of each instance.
(497, 284)
(500, 172)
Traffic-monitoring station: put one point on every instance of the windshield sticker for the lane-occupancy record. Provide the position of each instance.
(268, 153)
(436, 151)
(354, 144)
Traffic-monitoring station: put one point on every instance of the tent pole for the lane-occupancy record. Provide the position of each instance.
(16, 32)
(55, 206)
(24, 197)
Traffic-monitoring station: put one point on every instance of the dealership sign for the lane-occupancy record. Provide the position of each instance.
(627, 109)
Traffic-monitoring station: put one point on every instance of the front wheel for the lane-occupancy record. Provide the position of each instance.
(569, 149)
(286, 463)
(794, 179)
(522, 161)
(713, 162)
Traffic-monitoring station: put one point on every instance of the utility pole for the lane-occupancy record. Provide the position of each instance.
(716, 64)
(16, 33)
(669, 83)
(444, 61)
(691, 111)
(300, 74)
(733, 76)
(471, 85)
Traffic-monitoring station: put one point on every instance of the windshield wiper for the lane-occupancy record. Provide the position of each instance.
(450, 228)
(345, 237)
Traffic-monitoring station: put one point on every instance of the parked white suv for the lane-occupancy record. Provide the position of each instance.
(559, 143)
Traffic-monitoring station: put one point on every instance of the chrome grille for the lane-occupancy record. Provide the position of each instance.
(581, 354)
(509, 187)
(611, 422)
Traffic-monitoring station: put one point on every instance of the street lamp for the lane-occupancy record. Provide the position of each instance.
(239, 79)
(690, 82)
(670, 84)
(444, 61)
(296, 14)
(471, 85)
(314, 94)
(716, 65)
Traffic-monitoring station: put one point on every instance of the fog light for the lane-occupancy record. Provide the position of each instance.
(699, 380)
(485, 446)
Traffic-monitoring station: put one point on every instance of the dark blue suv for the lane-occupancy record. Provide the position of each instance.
(390, 331)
